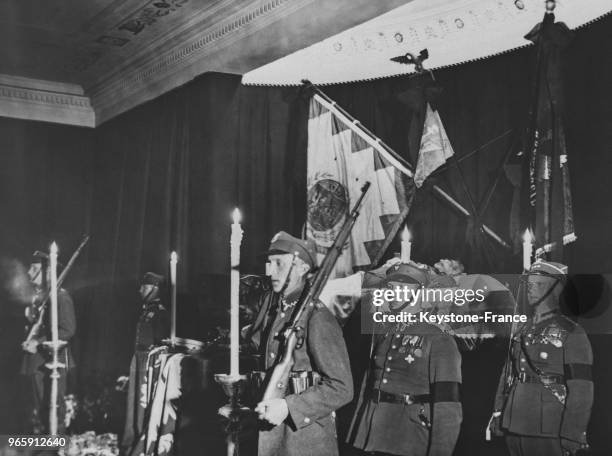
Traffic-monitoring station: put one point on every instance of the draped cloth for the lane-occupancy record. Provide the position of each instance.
(144, 367)
(163, 391)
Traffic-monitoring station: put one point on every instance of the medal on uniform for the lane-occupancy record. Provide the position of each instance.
(409, 359)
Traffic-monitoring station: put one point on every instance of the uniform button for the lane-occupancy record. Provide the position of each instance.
(388, 369)
(282, 314)
(522, 360)
(397, 336)
(272, 355)
(390, 358)
(523, 369)
(276, 334)
(394, 346)
(385, 380)
(306, 420)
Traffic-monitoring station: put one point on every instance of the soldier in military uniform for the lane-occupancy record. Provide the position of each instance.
(545, 393)
(152, 327)
(37, 355)
(303, 423)
(153, 324)
(409, 401)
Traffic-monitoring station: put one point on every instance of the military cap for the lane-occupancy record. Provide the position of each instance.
(151, 278)
(406, 273)
(549, 268)
(283, 242)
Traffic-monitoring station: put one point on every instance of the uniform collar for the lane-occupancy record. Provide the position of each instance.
(539, 317)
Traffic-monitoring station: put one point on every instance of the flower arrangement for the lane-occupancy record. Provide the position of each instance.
(90, 444)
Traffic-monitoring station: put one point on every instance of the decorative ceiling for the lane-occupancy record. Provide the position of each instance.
(85, 61)
(453, 32)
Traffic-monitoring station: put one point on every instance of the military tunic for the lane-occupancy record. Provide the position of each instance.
(424, 363)
(310, 428)
(545, 391)
(153, 326)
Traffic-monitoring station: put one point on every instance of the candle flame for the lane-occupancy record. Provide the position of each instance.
(406, 234)
(236, 216)
(53, 248)
(173, 257)
(528, 236)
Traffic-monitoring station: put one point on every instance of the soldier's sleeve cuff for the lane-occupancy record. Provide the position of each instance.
(575, 437)
(296, 412)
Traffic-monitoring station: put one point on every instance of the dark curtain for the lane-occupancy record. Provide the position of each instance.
(166, 176)
(45, 175)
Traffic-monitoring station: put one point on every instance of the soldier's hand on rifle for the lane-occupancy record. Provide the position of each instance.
(274, 411)
(30, 346)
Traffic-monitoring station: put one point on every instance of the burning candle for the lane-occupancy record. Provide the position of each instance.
(173, 262)
(53, 297)
(235, 241)
(527, 250)
(406, 246)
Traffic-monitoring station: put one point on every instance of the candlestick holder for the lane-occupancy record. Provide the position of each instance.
(234, 387)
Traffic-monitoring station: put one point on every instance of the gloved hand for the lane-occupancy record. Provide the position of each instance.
(494, 426)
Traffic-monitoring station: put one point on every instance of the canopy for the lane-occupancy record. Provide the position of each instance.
(453, 32)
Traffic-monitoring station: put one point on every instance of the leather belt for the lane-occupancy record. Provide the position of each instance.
(525, 377)
(377, 396)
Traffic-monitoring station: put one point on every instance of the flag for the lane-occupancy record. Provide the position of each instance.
(435, 147)
(341, 159)
(544, 184)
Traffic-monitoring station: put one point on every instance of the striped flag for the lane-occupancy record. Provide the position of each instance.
(341, 159)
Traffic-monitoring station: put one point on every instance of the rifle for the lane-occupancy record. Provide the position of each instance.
(279, 376)
(45, 297)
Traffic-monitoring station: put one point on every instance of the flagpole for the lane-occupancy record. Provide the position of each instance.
(403, 161)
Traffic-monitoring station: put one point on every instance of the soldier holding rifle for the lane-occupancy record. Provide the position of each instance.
(320, 382)
(36, 356)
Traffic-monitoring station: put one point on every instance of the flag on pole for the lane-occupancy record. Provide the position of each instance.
(341, 159)
(543, 197)
(435, 147)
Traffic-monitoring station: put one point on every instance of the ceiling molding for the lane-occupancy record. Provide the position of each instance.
(158, 72)
(47, 101)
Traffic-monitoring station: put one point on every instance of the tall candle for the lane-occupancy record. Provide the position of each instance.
(54, 340)
(527, 250)
(406, 246)
(173, 262)
(235, 241)
(53, 297)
